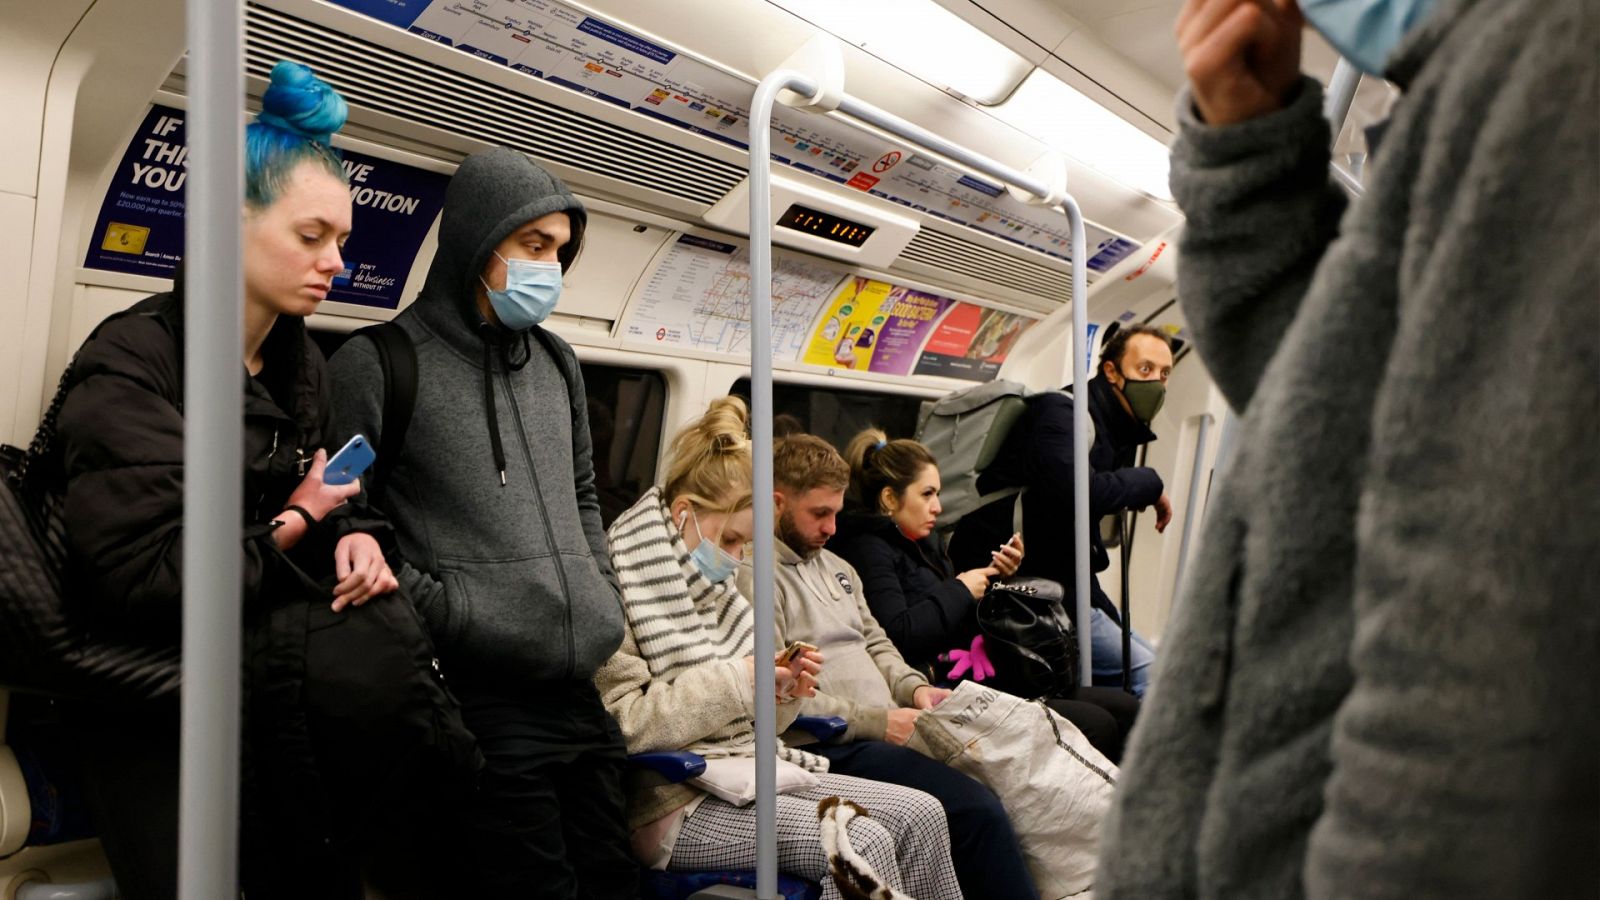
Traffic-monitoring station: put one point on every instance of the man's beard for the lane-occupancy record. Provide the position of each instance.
(791, 537)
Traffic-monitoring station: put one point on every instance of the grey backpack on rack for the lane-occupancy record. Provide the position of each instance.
(965, 431)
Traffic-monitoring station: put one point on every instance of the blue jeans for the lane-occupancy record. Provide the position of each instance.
(1106, 637)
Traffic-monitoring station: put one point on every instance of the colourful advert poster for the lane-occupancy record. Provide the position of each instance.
(874, 326)
(971, 342)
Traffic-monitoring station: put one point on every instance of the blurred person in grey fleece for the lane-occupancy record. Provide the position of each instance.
(1383, 680)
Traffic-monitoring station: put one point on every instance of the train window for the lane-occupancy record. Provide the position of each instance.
(836, 414)
(626, 410)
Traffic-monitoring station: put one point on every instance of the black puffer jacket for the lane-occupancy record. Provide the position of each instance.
(121, 437)
(911, 587)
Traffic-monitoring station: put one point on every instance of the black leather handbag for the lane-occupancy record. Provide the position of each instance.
(1029, 638)
(46, 645)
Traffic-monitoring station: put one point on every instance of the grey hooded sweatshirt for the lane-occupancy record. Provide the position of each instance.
(513, 579)
(1382, 679)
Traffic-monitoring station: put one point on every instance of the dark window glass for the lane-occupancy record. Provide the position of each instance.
(836, 414)
(626, 409)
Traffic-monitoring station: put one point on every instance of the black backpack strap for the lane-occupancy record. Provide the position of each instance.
(548, 342)
(397, 357)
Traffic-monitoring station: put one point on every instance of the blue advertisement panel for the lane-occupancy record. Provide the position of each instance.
(140, 229)
(140, 226)
(395, 205)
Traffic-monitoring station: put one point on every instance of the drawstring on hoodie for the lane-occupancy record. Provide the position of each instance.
(490, 337)
(486, 332)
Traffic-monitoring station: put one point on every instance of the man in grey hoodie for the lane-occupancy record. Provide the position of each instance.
(493, 500)
(1382, 681)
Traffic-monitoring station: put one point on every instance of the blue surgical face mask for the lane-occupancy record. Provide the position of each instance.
(1365, 31)
(715, 563)
(532, 290)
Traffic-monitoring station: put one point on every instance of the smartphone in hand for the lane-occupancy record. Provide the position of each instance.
(794, 649)
(351, 460)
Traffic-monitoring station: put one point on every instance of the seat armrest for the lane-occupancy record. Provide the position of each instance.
(673, 765)
(823, 728)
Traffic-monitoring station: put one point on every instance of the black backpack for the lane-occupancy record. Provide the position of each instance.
(1029, 638)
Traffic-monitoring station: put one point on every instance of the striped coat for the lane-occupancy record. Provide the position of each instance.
(679, 680)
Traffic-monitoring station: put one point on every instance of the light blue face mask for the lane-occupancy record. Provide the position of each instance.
(532, 290)
(715, 563)
(1365, 31)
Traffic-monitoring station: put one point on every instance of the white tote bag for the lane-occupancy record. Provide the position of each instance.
(1056, 787)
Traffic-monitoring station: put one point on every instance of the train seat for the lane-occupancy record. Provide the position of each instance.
(680, 765)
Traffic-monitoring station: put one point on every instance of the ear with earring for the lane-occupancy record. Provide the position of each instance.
(886, 502)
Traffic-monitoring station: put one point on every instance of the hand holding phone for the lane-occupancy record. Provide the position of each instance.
(794, 649)
(351, 460)
(1008, 559)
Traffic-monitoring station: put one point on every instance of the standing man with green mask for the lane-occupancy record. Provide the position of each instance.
(1123, 399)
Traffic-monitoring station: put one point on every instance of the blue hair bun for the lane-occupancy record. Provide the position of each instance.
(299, 102)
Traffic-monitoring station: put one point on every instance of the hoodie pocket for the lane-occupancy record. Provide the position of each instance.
(458, 608)
(514, 617)
(596, 621)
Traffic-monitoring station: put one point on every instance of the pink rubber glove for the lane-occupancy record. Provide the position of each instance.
(975, 660)
(979, 656)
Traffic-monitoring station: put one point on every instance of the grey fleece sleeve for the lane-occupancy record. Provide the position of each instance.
(1260, 211)
(357, 408)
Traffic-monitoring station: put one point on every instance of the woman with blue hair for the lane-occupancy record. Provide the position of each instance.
(121, 429)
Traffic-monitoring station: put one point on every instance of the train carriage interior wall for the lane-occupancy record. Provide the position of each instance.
(899, 275)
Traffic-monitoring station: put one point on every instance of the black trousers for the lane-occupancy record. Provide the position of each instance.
(547, 820)
(129, 760)
(1104, 715)
(989, 863)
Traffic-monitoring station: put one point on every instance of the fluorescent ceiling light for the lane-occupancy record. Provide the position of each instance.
(922, 38)
(1050, 110)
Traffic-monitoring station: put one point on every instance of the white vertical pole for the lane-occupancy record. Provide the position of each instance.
(764, 557)
(208, 796)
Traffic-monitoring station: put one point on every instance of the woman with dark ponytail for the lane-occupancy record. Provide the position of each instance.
(925, 605)
(121, 432)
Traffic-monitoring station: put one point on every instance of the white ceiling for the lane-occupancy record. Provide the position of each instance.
(1127, 47)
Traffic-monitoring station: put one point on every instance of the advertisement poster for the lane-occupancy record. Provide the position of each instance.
(971, 342)
(394, 206)
(140, 226)
(140, 229)
(874, 326)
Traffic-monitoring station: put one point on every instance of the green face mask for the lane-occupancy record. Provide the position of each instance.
(1144, 398)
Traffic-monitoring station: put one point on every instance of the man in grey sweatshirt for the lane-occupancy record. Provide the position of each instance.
(493, 500)
(1382, 681)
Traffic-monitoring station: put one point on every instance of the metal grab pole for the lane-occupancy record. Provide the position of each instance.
(213, 444)
(1080, 441)
(766, 720)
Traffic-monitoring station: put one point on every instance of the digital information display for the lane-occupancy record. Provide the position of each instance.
(825, 225)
